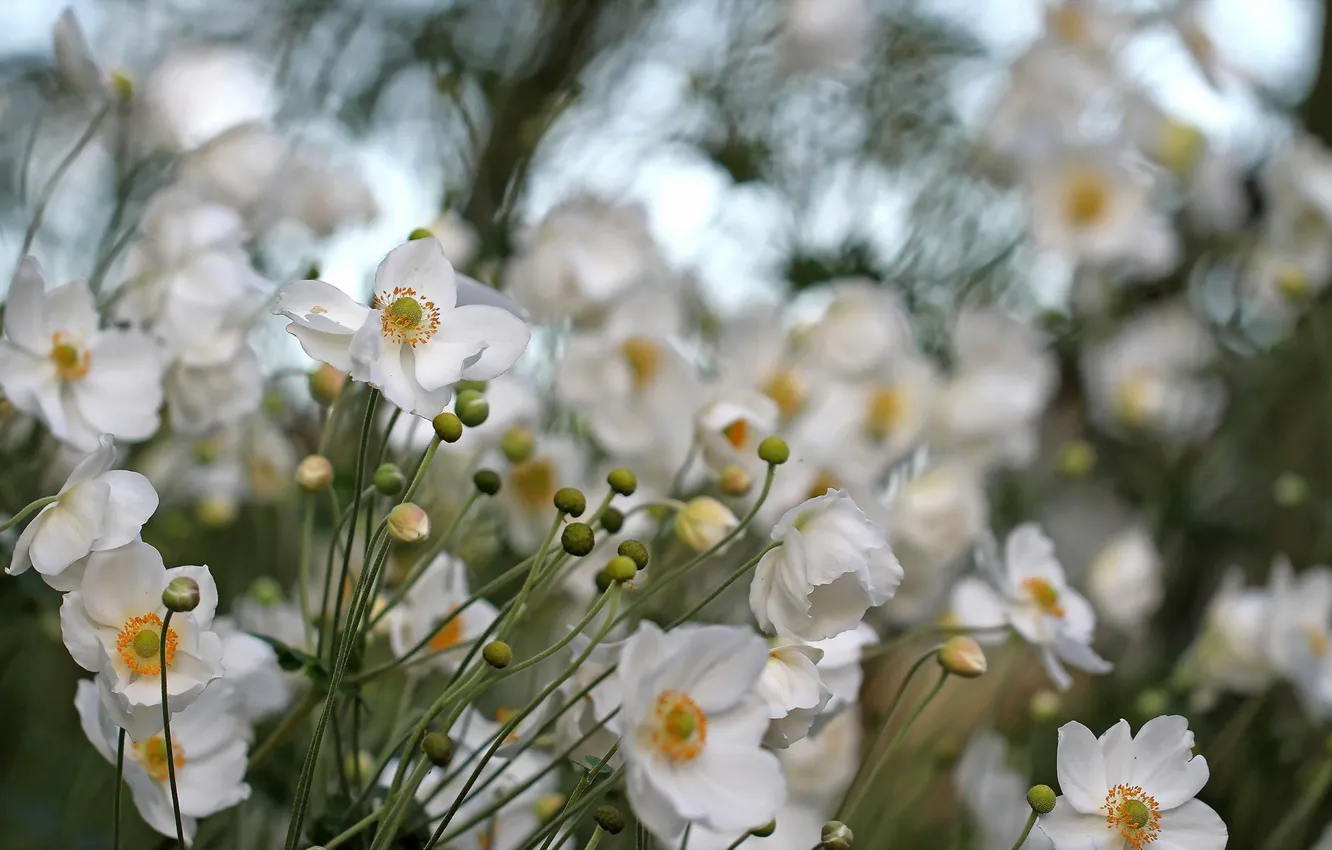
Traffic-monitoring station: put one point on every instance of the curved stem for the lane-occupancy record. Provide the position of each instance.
(922, 631)
(426, 560)
(506, 627)
(366, 426)
(28, 509)
(730, 580)
(166, 729)
(741, 840)
(48, 191)
(1031, 821)
(120, 774)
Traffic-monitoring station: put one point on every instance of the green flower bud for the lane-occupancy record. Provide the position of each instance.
(1041, 798)
(1152, 702)
(448, 427)
(634, 551)
(764, 831)
(314, 474)
(517, 444)
(1076, 458)
(612, 519)
(621, 568)
(475, 386)
(835, 836)
(419, 233)
(603, 580)
(622, 481)
(578, 539)
(181, 594)
(389, 480)
(570, 500)
(407, 523)
(609, 818)
(774, 451)
(438, 749)
(122, 85)
(963, 657)
(472, 408)
(1046, 706)
(326, 384)
(497, 654)
(266, 591)
(1290, 490)
(487, 481)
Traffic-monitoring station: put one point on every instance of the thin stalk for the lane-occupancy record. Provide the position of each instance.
(730, 580)
(28, 509)
(284, 729)
(48, 191)
(741, 840)
(595, 839)
(1022, 839)
(355, 829)
(166, 729)
(420, 568)
(366, 425)
(115, 803)
(398, 806)
(573, 807)
(506, 627)
(303, 589)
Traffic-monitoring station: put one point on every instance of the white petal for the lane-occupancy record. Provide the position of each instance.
(69, 531)
(472, 291)
(333, 349)
(79, 633)
(133, 500)
(26, 319)
(89, 707)
(1165, 766)
(123, 583)
(204, 612)
(1191, 826)
(420, 265)
(321, 307)
(1117, 748)
(21, 562)
(975, 604)
(1070, 829)
(99, 461)
(1081, 768)
(122, 391)
(503, 338)
(70, 308)
(73, 58)
(440, 362)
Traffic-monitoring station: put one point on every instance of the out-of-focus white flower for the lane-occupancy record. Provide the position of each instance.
(1150, 377)
(1125, 579)
(82, 381)
(75, 63)
(1087, 25)
(1230, 653)
(754, 352)
(819, 768)
(456, 236)
(826, 35)
(1141, 786)
(863, 328)
(1299, 640)
(209, 746)
(822, 578)
(583, 255)
(195, 95)
(420, 337)
(113, 624)
(840, 670)
(441, 590)
(994, 794)
(798, 826)
(254, 462)
(264, 611)
(703, 522)
(1027, 590)
(215, 383)
(794, 692)
(591, 719)
(98, 508)
(251, 669)
(528, 491)
(691, 729)
(729, 429)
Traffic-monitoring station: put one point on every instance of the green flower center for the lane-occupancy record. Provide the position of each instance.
(146, 644)
(406, 313)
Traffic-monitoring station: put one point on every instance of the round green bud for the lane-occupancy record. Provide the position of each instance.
(1152, 702)
(1290, 490)
(612, 519)
(181, 594)
(266, 591)
(497, 654)
(774, 451)
(389, 480)
(603, 580)
(517, 444)
(419, 233)
(578, 539)
(634, 551)
(570, 500)
(472, 408)
(609, 818)
(621, 568)
(764, 831)
(438, 749)
(835, 836)
(1041, 798)
(448, 427)
(622, 481)
(487, 481)
(1076, 458)
(122, 85)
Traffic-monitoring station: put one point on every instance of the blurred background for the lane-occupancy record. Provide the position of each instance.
(767, 150)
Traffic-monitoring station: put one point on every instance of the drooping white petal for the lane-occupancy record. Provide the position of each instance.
(100, 460)
(70, 527)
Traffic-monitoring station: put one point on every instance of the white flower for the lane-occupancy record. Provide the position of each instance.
(1086, 25)
(113, 623)
(56, 364)
(729, 429)
(1125, 579)
(528, 488)
(703, 522)
(1231, 652)
(1027, 590)
(590, 720)
(820, 767)
(216, 382)
(863, 327)
(826, 35)
(754, 352)
(799, 827)
(424, 333)
(840, 670)
(263, 611)
(1299, 642)
(98, 508)
(209, 745)
(441, 589)
(196, 94)
(691, 727)
(1135, 789)
(995, 795)
(262, 688)
(823, 577)
(794, 692)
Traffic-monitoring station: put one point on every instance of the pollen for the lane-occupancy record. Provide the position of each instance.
(787, 389)
(1044, 595)
(678, 728)
(152, 756)
(736, 433)
(534, 482)
(1317, 640)
(139, 643)
(71, 360)
(447, 636)
(1136, 815)
(644, 359)
(1087, 196)
(884, 412)
(406, 317)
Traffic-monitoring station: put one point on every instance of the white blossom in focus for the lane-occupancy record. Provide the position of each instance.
(794, 692)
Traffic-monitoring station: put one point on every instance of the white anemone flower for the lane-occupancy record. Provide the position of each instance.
(75, 63)
(113, 625)
(820, 767)
(864, 327)
(98, 508)
(729, 429)
(1132, 790)
(691, 730)
(262, 688)
(994, 794)
(195, 94)
(1125, 579)
(795, 693)
(441, 590)
(209, 746)
(79, 379)
(528, 489)
(1027, 590)
(823, 577)
(1231, 651)
(840, 669)
(1299, 642)
(426, 330)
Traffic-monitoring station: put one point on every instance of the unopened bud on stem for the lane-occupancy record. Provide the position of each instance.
(497, 654)
(389, 480)
(517, 444)
(835, 836)
(774, 451)
(622, 481)
(1041, 798)
(407, 523)
(181, 594)
(472, 408)
(634, 551)
(487, 481)
(448, 427)
(578, 539)
(963, 657)
(438, 749)
(610, 819)
(314, 474)
(570, 500)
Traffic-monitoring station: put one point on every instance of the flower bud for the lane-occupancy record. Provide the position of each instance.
(622, 481)
(735, 481)
(407, 523)
(266, 591)
(122, 85)
(612, 520)
(1046, 706)
(448, 427)
(603, 580)
(578, 539)
(634, 551)
(487, 481)
(438, 749)
(547, 806)
(621, 568)
(1041, 798)
(181, 594)
(389, 480)
(835, 836)
(497, 654)
(1152, 702)
(1076, 458)
(474, 386)
(517, 444)
(1290, 490)
(609, 818)
(314, 473)
(570, 500)
(419, 233)
(764, 831)
(703, 522)
(963, 657)
(774, 451)
(472, 408)
(326, 383)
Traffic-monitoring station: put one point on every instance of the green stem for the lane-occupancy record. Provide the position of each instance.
(166, 729)
(1313, 794)
(366, 425)
(730, 580)
(1031, 821)
(355, 829)
(584, 783)
(507, 625)
(595, 839)
(21, 515)
(120, 773)
(48, 191)
(398, 807)
(420, 568)
(741, 840)
(303, 588)
(289, 724)
(421, 469)
(910, 635)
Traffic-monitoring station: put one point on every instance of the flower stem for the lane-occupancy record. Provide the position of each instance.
(506, 627)
(48, 191)
(424, 563)
(166, 730)
(730, 580)
(303, 588)
(355, 829)
(23, 514)
(1022, 839)
(289, 724)
(398, 807)
(584, 785)
(741, 840)
(120, 774)
(357, 496)
(595, 839)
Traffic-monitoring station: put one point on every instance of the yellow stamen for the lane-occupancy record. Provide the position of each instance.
(787, 389)
(1087, 196)
(884, 412)
(736, 432)
(1044, 595)
(679, 728)
(71, 360)
(533, 481)
(139, 643)
(152, 756)
(1136, 815)
(406, 317)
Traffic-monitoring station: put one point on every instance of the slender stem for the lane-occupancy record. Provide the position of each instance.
(420, 568)
(595, 839)
(166, 729)
(28, 509)
(1022, 839)
(547, 832)
(684, 839)
(355, 829)
(741, 840)
(48, 191)
(120, 773)
(366, 426)
(303, 589)
(398, 807)
(1313, 794)
(584, 784)
(517, 610)
(421, 469)
(730, 580)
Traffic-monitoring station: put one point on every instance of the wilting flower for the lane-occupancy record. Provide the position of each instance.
(97, 509)
(691, 730)
(794, 692)
(994, 794)
(441, 590)
(82, 381)
(1137, 789)
(823, 577)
